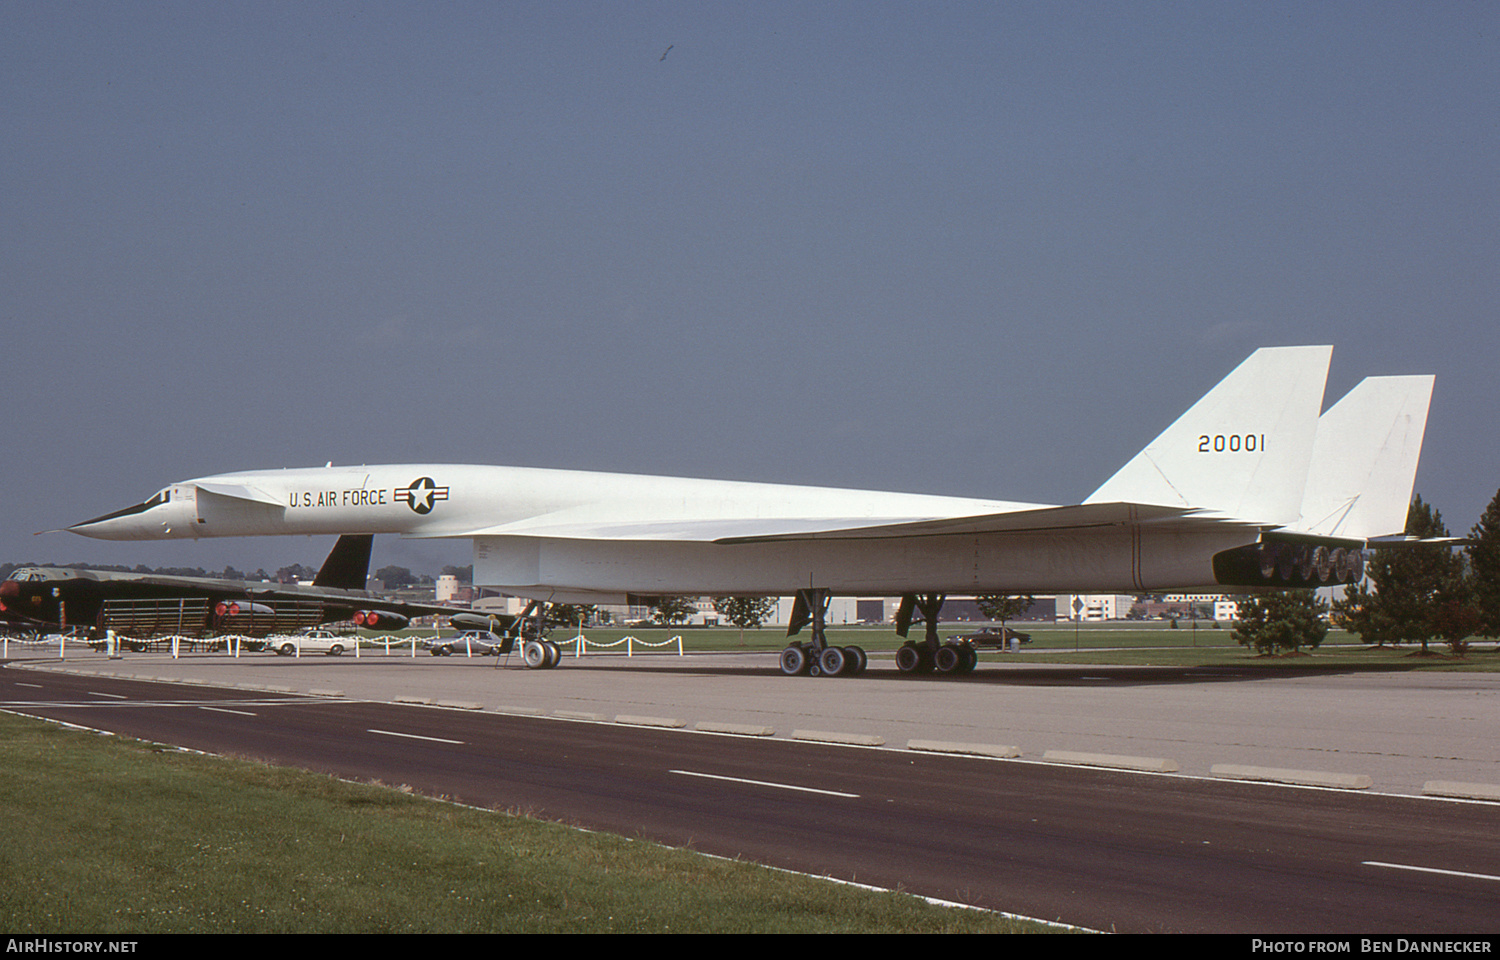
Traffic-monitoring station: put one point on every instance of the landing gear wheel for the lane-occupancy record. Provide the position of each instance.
(834, 662)
(794, 661)
(947, 659)
(534, 655)
(910, 658)
(857, 658)
(970, 658)
(554, 654)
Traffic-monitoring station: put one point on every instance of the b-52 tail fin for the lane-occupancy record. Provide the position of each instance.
(348, 563)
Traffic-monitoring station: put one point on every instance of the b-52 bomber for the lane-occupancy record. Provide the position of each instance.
(1253, 488)
(141, 606)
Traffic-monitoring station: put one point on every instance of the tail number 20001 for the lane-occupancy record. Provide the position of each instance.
(1232, 443)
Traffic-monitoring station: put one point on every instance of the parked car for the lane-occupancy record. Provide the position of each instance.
(314, 641)
(995, 637)
(481, 642)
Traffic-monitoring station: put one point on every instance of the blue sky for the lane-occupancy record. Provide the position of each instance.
(984, 249)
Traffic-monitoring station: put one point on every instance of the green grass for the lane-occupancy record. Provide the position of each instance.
(109, 835)
(1122, 644)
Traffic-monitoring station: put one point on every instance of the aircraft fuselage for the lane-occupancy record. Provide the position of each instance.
(563, 534)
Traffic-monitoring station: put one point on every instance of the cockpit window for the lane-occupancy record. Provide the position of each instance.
(160, 499)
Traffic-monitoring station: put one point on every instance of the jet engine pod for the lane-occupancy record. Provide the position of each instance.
(242, 608)
(380, 620)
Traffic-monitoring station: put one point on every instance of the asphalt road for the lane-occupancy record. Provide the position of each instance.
(1100, 849)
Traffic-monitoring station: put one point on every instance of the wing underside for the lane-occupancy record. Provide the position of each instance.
(737, 530)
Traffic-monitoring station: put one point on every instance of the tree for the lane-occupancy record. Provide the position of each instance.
(1285, 620)
(1484, 570)
(295, 573)
(465, 574)
(1456, 619)
(1003, 606)
(669, 610)
(394, 576)
(745, 611)
(1408, 585)
(572, 614)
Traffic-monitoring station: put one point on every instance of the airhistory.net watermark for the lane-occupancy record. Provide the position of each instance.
(67, 945)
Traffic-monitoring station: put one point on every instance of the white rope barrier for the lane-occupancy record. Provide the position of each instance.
(583, 643)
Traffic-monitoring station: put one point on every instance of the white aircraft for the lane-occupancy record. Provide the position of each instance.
(1248, 489)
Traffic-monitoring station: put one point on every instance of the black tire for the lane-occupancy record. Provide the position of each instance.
(909, 658)
(833, 662)
(794, 661)
(858, 659)
(286, 650)
(947, 658)
(970, 658)
(335, 650)
(534, 655)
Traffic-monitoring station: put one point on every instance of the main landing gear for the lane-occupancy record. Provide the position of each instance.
(816, 658)
(930, 654)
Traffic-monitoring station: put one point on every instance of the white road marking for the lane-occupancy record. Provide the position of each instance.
(766, 783)
(112, 696)
(413, 736)
(1450, 873)
(90, 704)
(243, 713)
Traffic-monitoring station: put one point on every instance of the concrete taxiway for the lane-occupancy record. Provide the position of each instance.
(1399, 733)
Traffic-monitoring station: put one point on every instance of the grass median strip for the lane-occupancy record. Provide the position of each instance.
(110, 835)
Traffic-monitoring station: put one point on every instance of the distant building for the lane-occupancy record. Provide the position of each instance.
(450, 590)
(1089, 607)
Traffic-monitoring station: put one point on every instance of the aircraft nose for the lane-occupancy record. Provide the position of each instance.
(9, 589)
(126, 524)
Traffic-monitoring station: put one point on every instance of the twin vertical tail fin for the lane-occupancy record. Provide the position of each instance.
(1255, 451)
(1243, 451)
(1359, 485)
(1364, 461)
